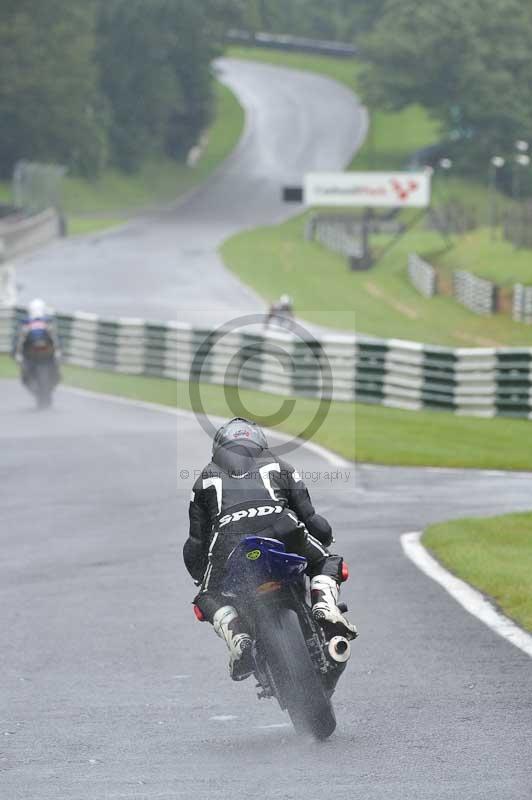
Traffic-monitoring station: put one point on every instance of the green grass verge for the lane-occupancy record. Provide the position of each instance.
(494, 554)
(393, 138)
(115, 194)
(358, 432)
(8, 368)
(82, 226)
(5, 193)
(162, 180)
(381, 302)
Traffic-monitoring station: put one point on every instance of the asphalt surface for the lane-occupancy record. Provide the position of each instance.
(165, 266)
(110, 689)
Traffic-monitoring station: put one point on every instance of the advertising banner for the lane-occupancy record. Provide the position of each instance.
(368, 189)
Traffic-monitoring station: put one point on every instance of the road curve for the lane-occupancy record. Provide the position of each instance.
(165, 265)
(110, 689)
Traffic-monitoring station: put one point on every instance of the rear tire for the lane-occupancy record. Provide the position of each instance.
(43, 386)
(301, 689)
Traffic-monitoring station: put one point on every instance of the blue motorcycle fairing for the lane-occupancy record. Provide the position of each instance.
(257, 560)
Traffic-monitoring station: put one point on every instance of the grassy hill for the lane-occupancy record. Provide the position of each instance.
(382, 302)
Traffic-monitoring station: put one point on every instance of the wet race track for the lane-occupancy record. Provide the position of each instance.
(109, 687)
(166, 266)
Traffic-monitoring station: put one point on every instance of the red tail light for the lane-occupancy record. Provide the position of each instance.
(199, 613)
(345, 572)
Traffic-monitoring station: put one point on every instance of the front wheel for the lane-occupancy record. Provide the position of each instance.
(296, 679)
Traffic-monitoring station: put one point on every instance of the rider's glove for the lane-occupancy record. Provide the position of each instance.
(320, 529)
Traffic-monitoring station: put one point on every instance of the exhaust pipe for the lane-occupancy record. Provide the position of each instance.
(339, 649)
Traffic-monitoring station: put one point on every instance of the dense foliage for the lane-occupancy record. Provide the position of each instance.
(333, 19)
(92, 82)
(95, 82)
(469, 64)
(50, 105)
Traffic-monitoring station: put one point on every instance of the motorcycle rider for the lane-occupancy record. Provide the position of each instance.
(246, 490)
(282, 311)
(37, 339)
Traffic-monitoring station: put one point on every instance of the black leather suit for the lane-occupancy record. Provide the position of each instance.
(246, 491)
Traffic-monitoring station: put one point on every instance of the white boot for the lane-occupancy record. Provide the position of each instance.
(324, 593)
(227, 626)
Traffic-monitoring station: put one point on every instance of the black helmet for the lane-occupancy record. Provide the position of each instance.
(239, 430)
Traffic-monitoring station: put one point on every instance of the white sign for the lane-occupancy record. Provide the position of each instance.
(386, 189)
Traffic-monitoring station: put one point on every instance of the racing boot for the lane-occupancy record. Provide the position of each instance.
(227, 625)
(324, 593)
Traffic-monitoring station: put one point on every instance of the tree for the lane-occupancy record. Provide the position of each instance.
(137, 77)
(336, 19)
(83, 80)
(50, 106)
(469, 64)
(155, 72)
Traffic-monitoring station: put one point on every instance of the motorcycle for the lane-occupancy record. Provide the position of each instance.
(294, 662)
(40, 371)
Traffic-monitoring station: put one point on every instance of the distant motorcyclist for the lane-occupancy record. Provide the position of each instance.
(281, 311)
(37, 343)
(247, 490)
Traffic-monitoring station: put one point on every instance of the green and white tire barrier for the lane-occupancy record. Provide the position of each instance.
(395, 373)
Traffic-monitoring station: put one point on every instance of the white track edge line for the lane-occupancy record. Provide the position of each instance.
(472, 600)
(332, 458)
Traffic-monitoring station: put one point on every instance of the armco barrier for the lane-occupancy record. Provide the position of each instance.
(522, 303)
(477, 294)
(479, 381)
(422, 275)
(21, 234)
(295, 43)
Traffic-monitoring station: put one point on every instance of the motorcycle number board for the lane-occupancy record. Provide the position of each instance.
(384, 189)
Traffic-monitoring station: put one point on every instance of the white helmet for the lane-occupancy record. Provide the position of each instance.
(37, 309)
(285, 300)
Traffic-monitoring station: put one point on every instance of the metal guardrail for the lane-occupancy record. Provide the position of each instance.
(478, 381)
(422, 275)
(36, 187)
(522, 303)
(21, 233)
(287, 42)
(477, 294)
